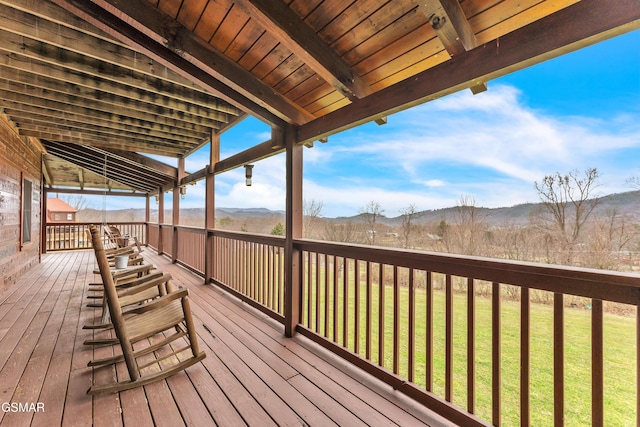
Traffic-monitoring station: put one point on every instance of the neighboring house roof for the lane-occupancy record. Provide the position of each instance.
(57, 205)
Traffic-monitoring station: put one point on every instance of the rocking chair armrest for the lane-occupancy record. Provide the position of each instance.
(130, 282)
(160, 302)
(144, 285)
(144, 268)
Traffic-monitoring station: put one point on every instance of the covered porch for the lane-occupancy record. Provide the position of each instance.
(252, 375)
(297, 331)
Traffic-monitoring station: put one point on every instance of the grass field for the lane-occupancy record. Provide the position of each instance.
(619, 347)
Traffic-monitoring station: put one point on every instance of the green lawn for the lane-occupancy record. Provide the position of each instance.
(620, 352)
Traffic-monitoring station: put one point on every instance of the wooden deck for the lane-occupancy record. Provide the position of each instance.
(252, 375)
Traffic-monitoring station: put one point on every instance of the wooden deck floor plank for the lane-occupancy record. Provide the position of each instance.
(30, 383)
(26, 307)
(133, 403)
(365, 402)
(361, 399)
(78, 409)
(164, 409)
(296, 402)
(33, 350)
(193, 410)
(246, 391)
(218, 405)
(309, 379)
(279, 355)
(252, 375)
(106, 407)
(57, 376)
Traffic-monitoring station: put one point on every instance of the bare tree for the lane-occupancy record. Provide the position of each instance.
(77, 201)
(608, 236)
(311, 210)
(371, 212)
(464, 233)
(408, 227)
(347, 232)
(568, 200)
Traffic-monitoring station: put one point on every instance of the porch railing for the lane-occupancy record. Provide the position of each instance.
(251, 267)
(480, 340)
(59, 236)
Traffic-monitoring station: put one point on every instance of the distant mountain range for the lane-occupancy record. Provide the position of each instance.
(623, 203)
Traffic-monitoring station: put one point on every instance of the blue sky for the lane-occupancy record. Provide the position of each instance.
(577, 111)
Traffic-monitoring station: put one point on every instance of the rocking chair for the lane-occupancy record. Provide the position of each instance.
(169, 317)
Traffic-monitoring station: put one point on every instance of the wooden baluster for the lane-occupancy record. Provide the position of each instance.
(448, 367)
(412, 327)
(471, 346)
(558, 360)
(525, 357)
(496, 339)
(597, 361)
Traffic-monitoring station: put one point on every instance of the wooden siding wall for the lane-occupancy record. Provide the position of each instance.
(19, 157)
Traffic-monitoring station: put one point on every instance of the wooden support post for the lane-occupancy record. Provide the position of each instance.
(210, 216)
(175, 211)
(293, 269)
(43, 222)
(147, 218)
(160, 219)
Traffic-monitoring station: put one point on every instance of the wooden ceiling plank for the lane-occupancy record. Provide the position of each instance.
(22, 23)
(22, 94)
(135, 101)
(62, 81)
(161, 38)
(279, 20)
(584, 23)
(88, 130)
(116, 169)
(37, 106)
(22, 112)
(34, 56)
(98, 178)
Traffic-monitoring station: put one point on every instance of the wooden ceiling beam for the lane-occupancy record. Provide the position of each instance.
(574, 27)
(293, 33)
(105, 143)
(45, 172)
(194, 59)
(146, 163)
(452, 28)
(81, 178)
(97, 192)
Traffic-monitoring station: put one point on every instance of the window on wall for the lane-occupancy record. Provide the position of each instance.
(26, 210)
